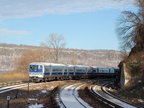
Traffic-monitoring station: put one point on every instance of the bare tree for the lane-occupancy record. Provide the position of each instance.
(130, 32)
(130, 28)
(34, 55)
(55, 43)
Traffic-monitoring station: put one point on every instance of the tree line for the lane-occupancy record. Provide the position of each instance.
(53, 50)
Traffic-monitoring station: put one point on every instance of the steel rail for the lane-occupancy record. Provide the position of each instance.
(73, 88)
(9, 88)
(105, 100)
(104, 90)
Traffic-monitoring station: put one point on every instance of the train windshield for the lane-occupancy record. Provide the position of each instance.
(35, 68)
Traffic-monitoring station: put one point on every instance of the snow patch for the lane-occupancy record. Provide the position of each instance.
(139, 81)
(52, 87)
(32, 99)
(140, 100)
(36, 106)
(44, 91)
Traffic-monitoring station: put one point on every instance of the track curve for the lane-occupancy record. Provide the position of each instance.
(108, 99)
(70, 99)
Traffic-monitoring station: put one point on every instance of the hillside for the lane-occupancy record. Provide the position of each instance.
(10, 52)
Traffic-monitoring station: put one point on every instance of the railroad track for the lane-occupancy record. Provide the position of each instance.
(112, 101)
(69, 98)
(9, 88)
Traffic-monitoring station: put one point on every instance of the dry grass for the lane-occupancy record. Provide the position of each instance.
(13, 76)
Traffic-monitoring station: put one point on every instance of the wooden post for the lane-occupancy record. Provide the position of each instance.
(8, 99)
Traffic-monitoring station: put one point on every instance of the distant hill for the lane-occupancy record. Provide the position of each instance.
(10, 52)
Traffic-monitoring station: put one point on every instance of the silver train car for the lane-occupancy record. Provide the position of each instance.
(40, 71)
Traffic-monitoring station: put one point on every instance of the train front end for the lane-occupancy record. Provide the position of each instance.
(36, 72)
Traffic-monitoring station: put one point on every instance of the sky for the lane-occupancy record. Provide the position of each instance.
(84, 24)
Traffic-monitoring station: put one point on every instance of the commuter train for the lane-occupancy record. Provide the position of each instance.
(40, 71)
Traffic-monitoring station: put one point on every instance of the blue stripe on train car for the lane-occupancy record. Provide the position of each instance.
(65, 73)
(80, 73)
(94, 73)
(46, 73)
(57, 73)
(71, 73)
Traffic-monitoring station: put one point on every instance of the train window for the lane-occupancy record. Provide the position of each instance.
(57, 70)
(103, 71)
(79, 70)
(71, 70)
(33, 68)
(46, 69)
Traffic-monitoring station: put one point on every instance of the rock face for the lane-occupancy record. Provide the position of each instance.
(10, 52)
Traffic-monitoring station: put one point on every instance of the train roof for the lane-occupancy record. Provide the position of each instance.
(69, 65)
(55, 64)
(101, 67)
(44, 63)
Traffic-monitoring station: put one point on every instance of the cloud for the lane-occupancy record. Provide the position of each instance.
(32, 8)
(13, 33)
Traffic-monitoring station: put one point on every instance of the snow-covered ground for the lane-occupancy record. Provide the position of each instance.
(9, 88)
(69, 96)
(36, 106)
(33, 99)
